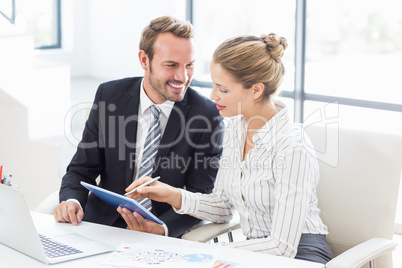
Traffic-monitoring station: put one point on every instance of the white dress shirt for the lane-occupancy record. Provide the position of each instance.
(144, 119)
(274, 189)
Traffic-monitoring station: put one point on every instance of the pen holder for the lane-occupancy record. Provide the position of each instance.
(7, 181)
(15, 186)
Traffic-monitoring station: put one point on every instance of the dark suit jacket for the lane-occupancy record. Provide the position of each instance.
(193, 135)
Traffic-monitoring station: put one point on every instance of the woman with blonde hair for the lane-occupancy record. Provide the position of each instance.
(267, 171)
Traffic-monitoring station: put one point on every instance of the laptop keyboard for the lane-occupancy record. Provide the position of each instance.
(54, 249)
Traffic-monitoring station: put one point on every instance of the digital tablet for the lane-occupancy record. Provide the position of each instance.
(116, 200)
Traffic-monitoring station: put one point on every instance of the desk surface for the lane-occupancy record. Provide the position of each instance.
(114, 236)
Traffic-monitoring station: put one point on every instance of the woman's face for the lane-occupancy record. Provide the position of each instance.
(231, 97)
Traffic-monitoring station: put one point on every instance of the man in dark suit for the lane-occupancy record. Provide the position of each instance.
(114, 134)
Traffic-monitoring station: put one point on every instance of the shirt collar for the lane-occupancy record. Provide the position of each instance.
(268, 135)
(146, 102)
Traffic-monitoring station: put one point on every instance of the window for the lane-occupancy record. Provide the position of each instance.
(42, 19)
(339, 52)
(355, 56)
(356, 51)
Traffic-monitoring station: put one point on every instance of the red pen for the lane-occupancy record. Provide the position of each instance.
(1, 174)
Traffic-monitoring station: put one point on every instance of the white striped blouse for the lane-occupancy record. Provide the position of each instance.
(274, 189)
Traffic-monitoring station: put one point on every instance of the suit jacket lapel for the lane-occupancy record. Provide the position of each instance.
(128, 141)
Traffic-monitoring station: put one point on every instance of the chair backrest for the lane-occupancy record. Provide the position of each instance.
(49, 203)
(359, 184)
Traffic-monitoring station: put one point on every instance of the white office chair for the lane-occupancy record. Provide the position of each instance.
(358, 193)
(49, 203)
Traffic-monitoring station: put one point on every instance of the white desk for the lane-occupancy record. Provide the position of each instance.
(10, 258)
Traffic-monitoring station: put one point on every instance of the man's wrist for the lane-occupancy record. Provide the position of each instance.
(166, 229)
(75, 201)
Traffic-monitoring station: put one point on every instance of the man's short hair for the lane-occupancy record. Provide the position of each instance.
(163, 25)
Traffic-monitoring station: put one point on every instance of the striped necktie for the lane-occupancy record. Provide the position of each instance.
(150, 149)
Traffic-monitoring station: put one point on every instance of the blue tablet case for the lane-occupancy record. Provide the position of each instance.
(116, 200)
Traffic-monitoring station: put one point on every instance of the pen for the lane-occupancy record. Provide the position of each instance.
(142, 185)
(1, 174)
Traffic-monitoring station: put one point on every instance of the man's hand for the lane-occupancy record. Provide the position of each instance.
(137, 223)
(68, 211)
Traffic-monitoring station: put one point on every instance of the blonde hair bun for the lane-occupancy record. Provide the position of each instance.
(276, 45)
(251, 59)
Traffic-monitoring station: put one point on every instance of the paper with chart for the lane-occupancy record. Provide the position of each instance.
(226, 264)
(145, 255)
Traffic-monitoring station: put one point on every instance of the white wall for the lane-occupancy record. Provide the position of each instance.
(43, 87)
(74, 51)
(34, 166)
(114, 33)
(100, 37)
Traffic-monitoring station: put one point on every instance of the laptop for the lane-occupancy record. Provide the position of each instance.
(53, 245)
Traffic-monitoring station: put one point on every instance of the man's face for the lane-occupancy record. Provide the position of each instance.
(171, 69)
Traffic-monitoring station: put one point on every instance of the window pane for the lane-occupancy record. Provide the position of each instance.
(354, 49)
(216, 21)
(39, 18)
(203, 91)
(356, 117)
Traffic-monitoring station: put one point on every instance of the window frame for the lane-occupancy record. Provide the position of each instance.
(11, 17)
(57, 27)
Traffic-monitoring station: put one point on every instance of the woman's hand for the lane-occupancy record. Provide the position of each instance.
(157, 191)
